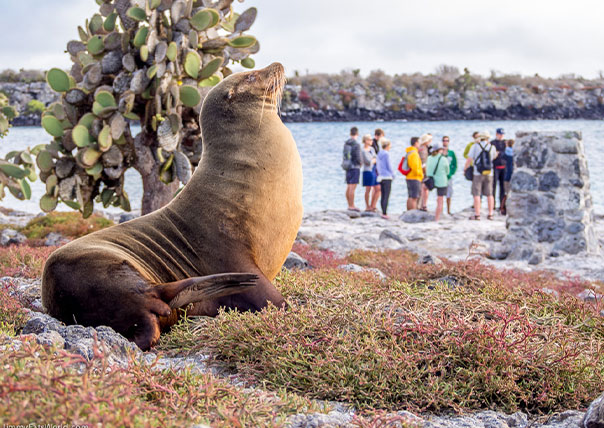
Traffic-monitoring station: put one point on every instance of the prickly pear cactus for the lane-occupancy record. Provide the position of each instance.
(17, 166)
(151, 61)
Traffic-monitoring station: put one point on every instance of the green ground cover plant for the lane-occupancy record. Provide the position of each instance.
(481, 338)
(68, 224)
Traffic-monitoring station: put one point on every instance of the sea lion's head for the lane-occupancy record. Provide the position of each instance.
(249, 93)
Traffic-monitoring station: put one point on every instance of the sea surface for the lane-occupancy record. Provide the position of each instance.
(320, 146)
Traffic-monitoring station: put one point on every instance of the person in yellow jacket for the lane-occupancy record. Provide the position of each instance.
(415, 175)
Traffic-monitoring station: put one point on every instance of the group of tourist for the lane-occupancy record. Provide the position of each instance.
(427, 166)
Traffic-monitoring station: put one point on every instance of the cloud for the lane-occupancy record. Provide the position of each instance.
(397, 36)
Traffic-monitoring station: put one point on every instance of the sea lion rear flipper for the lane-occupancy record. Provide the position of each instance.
(180, 293)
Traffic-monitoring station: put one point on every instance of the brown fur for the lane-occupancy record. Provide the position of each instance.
(239, 213)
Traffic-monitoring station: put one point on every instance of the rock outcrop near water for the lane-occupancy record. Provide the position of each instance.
(550, 207)
(448, 95)
(445, 95)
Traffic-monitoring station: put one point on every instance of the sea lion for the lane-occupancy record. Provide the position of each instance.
(238, 216)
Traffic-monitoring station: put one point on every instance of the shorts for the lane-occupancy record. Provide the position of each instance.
(413, 188)
(353, 175)
(369, 179)
(482, 185)
(441, 191)
(450, 188)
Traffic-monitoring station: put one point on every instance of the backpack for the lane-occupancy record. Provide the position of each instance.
(483, 162)
(403, 167)
(347, 157)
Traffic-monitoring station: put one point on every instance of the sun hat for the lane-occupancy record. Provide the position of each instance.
(484, 135)
(425, 138)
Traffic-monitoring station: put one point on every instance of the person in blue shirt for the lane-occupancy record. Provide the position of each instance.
(385, 175)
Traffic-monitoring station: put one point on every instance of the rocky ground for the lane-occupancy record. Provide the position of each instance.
(454, 237)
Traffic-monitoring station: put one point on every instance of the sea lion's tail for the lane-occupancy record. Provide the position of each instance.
(180, 293)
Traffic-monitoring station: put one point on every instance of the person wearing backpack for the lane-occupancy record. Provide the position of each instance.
(411, 167)
(351, 163)
(481, 156)
(437, 168)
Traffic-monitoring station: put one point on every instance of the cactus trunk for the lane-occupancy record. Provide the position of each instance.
(156, 193)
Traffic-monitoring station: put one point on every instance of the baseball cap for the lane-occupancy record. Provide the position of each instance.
(500, 131)
(437, 146)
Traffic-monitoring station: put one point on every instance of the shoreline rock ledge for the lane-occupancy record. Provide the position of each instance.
(550, 210)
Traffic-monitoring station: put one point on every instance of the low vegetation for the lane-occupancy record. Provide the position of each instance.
(66, 387)
(454, 336)
(68, 224)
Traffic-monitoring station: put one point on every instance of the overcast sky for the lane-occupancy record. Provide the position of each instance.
(398, 36)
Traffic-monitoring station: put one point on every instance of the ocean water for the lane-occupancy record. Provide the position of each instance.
(320, 147)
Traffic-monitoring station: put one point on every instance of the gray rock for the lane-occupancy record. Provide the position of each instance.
(10, 237)
(536, 258)
(390, 235)
(449, 280)
(572, 244)
(353, 214)
(550, 291)
(568, 419)
(549, 181)
(590, 295)
(294, 261)
(416, 216)
(54, 239)
(81, 340)
(369, 214)
(124, 217)
(314, 420)
(429, 259)
(517, 420)
(498, 252)
(51, 338)
(594, 416)
(493, 236)
(351, 267)
(41, 323)
(548, 212)
(523, 182)
(566, 145)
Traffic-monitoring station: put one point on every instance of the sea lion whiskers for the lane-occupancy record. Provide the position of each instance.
(273, 91)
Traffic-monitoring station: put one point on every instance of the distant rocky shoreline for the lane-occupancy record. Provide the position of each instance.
(364, 100)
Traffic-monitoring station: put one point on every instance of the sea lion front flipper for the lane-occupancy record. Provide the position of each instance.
(180, 293)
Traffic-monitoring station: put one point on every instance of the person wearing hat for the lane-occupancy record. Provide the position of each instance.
(480, 156)
(499, 165)
(425, 142)
(437, 167)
